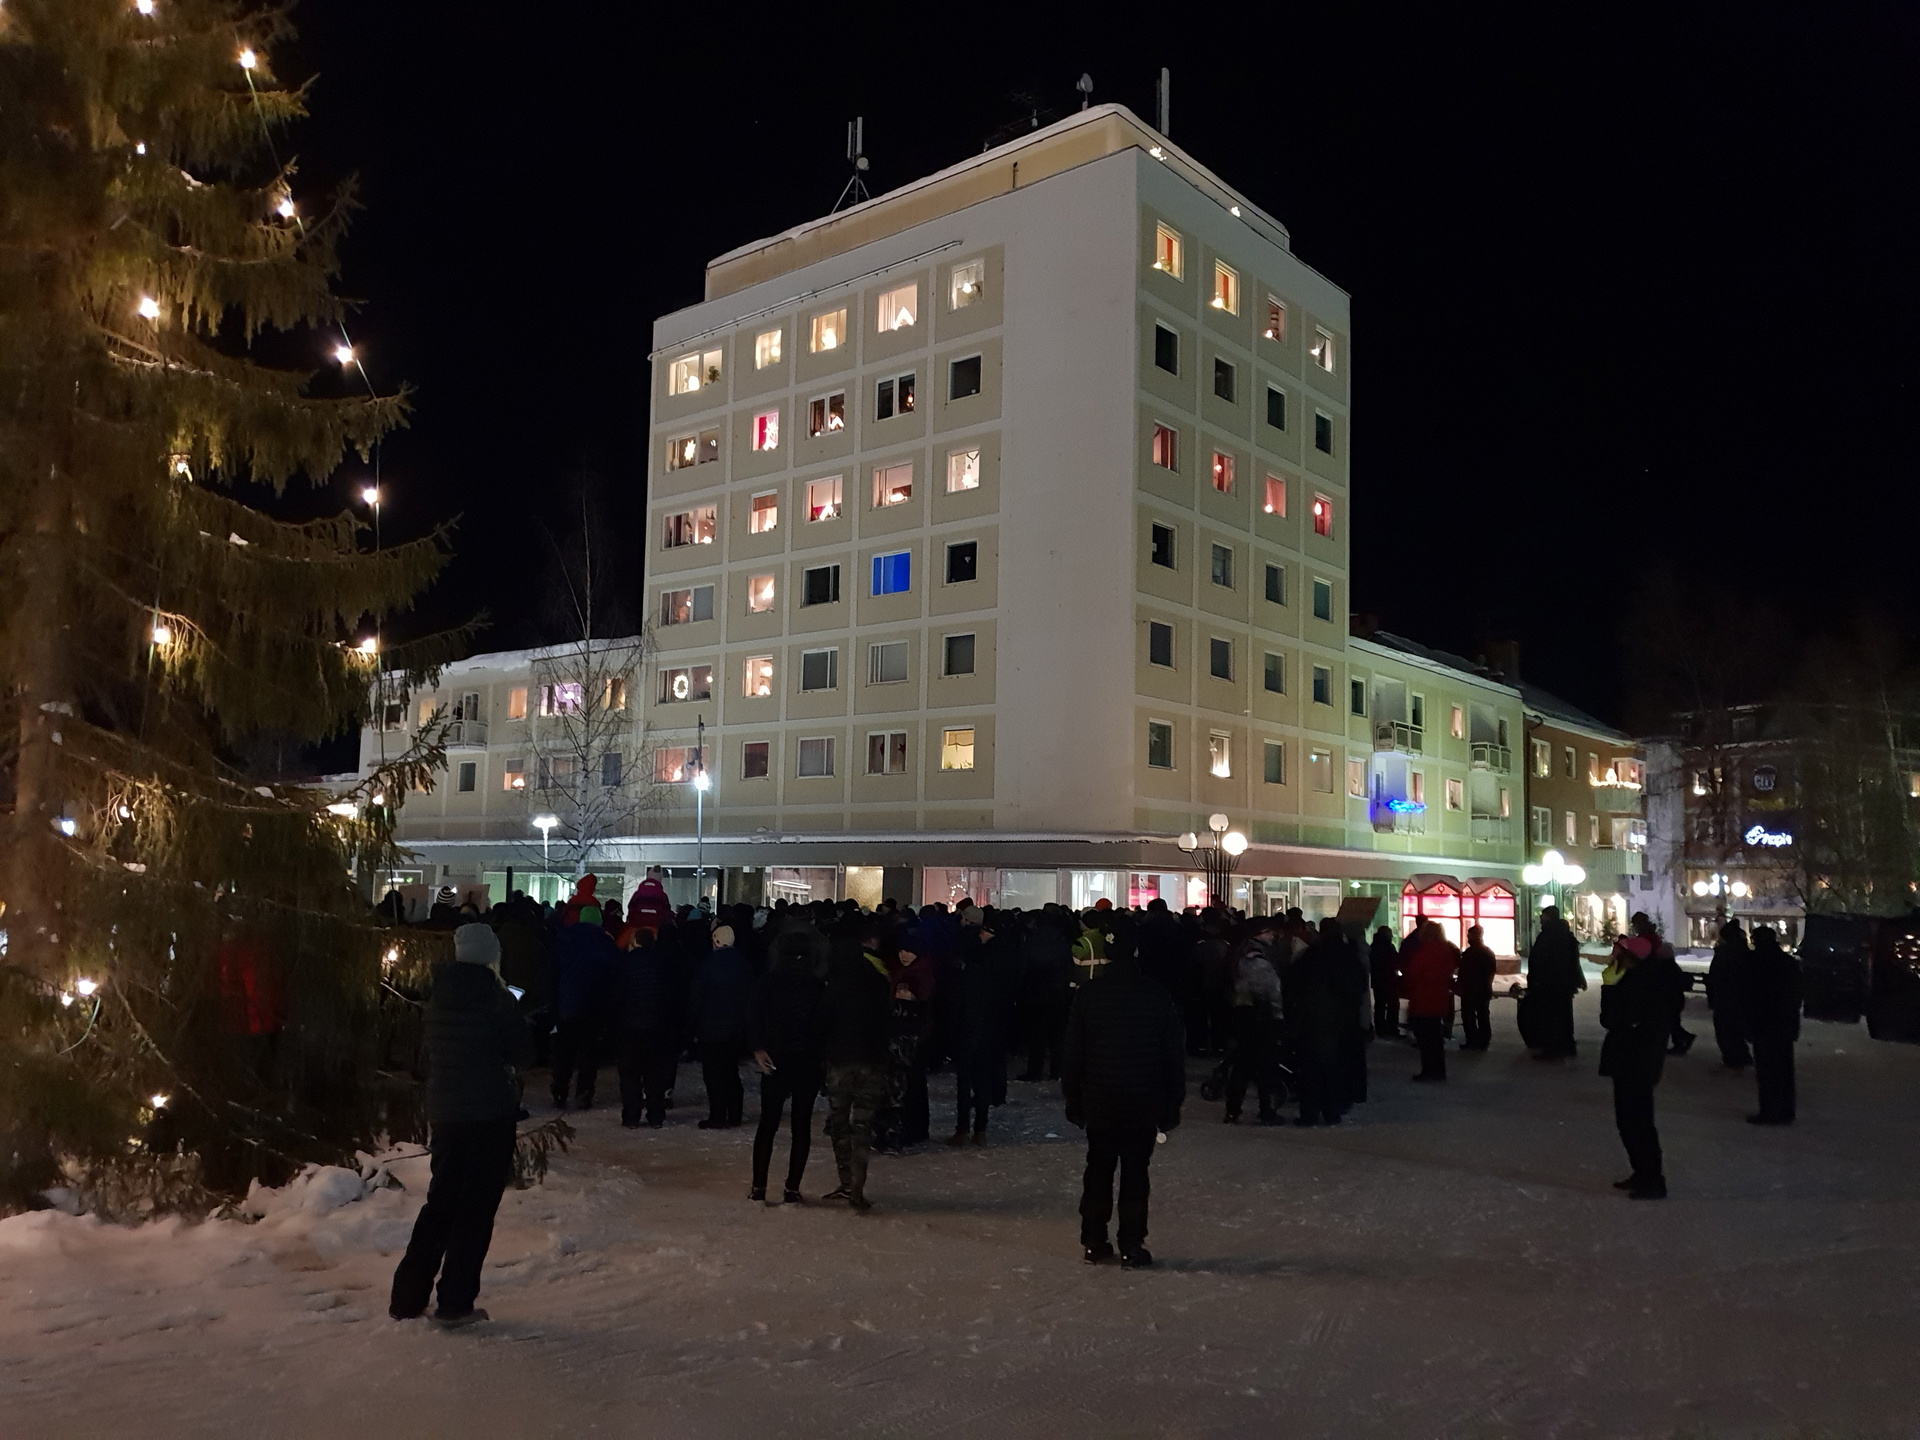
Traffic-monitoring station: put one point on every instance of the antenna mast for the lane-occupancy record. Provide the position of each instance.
(856, 190)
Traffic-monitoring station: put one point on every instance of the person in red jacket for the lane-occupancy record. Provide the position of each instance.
(1427, 979)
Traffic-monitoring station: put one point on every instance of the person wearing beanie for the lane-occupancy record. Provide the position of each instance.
(475, 1036)
(717, 1007)
(584, 1002)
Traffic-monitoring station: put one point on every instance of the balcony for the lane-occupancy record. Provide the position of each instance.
(466, 734)
(1497, 758)
(1617, 799)
(1398, 735)
(1607, 863)
(1491, 829)
(1397, 817)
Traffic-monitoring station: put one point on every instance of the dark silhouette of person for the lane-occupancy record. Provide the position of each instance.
(1554, 976)
(1474, 985)
(1640, 995)
(1773, 1022)
(1729, 986)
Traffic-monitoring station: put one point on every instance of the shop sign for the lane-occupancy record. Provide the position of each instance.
(1765, 777)
(1770, 839)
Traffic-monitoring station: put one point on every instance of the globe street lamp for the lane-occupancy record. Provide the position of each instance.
(1219, 855)
(1553, 873)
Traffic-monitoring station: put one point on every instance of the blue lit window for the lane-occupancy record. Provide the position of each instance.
(893, 574)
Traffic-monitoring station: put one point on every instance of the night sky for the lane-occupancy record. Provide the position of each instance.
(1630, 291)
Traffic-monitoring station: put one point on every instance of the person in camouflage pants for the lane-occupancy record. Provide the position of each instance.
(854, 1091)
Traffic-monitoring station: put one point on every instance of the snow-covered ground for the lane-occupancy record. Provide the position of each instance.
(1451, 1262)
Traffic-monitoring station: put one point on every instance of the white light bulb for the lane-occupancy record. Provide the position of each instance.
(66, 825)
(66, 997)
(248, 59)
(85, 987)
(159, 1102)
(145, 7)
(285, 207)
(140, 148)
(343, 353)
(162, 635)
(370, 495)
(149, 308)
(1234, 210)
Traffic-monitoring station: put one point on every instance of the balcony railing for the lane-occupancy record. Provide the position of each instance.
(1491, 829)
(1616, 798)
(1398, 735)
(1497, 758)
(1608, 862)
(466, 734)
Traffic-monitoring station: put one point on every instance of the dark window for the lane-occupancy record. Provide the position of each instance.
(1276, 673)
(1159, 643)
(822, 585)
(883, 401)
(1276, 758)
(1323, 433)
(1159, 745)
(1166, 349)
(1359, 696)
(820, 670)
(1323, 600)
(959, 659)
(963, 562)
(469, 776)
(610, 769)
(1223, 379)
(1163, 545)
(1220, 659)
(1322, 685)
(893, 397)
(1276, 584)
(1276, 408)
(963, 378)
(1223, 565)
(753, 760)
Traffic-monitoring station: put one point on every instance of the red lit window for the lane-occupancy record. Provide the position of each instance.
(1223, 473)
(1322, 516)
(1276, 495)
(1166, 448)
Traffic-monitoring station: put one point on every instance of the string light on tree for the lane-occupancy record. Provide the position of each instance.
(285, 207)
(85, 987)
(343, 354)
(145, 7)
(370, 646)
(149, 308)
(248, 59)
(162, 633)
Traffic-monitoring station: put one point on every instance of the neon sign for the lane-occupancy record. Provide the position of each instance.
(1772, 839)
(1407, 807)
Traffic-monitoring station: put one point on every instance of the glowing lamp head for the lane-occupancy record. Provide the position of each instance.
(1700, 887)
(66, 998)
(1534, 875)
(1573, 875)
(342, 809)
(702, 781)
(248, 59)
(1740, 889)
(1552, 860)
(159, 1102)
(343, 354)
(145, 7)
(85, 987)
(140, 147)
(369, 646)
(285, 207)
(1218, 822)
(66, 825)
(149, 308)
(370, 495)
(162, 634)
(544, 823)
(1234, 843)
(1189, 842)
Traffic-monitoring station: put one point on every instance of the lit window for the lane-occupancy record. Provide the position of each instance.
(1540, 825)
(561, 699)
(766, 430)
(1166, 349)
(1320, 770)
(1541, 756)
(899, 308)
(1276, 407)
(1223, 473)
(1323, 432)
(690, 372)
(1322, 685)
(956, 749)
(1323, 516)
(1274, 674)
(1226, 288)
(957, 658)
(515, 779)
(893, 574)
(517, 703)
(1159, 644)
(686, 682)
(1322, 351)
(1593, 768)
(1456, 794)
(1222, 566)
(1220, 659)
(683, 607)
(1276, 585)
(1417, 787)
(827, 414)
(823, 498)
(968, 283)
(1159, 745)
(893, 484)
(689, 527)
(766, 349)
(753, 760)
(759, 594)
(682, 451)
(1166, 447)
(765, 514)
(757, 679)
(1275, 768)
(1162, 553)
(1276, 326)
(1619, 833)
(820, 585)
(1220, 755)
(820, 670)
(829, 331)
(1276, 502)
(963, 378)
(816, 757)
(1223, 379)
(887, 752)
(1357, 696)
(963, 562)
(887, 663)
(1357, 779)
(963, 470)
(1506, 804)
(1572, 828)
(893, 397)
(1323, 600)
(468, 777)
(1457, 727)
(1167, 251)
(673, 764)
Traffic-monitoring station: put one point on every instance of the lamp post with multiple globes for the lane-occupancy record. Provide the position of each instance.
(1219, 853)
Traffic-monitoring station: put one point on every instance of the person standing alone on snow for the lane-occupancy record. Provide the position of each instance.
(1773, 1022)
(1124, 1075)
(474, 1037)
(1640, 998)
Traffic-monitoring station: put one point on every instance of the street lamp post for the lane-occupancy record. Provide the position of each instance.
(545, 825)
(701, 782)
(1553, 874)
(1219, 855)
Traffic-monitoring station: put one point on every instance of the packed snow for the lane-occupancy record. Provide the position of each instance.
(1451, 1262)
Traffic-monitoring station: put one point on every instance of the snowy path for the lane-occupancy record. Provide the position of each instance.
(1453, 1264)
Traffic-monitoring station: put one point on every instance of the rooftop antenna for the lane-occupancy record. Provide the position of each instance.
(1164, 92)
(1085, 86)
(857, 157)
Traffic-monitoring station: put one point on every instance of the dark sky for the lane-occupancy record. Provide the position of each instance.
(1630, 289)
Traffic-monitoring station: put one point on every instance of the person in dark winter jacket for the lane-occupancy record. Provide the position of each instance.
(1046, 986)
(649, 1032)
(717, 1011)
(1729, 986)
(1640, 996)
(475, 1036)
(1124, 1078)
(980, 1061)
(1773, 1023)
(583, 1004)
(1383, 966)
(1322, 1007)
(1474, 985)
(855, 1012)
(784, 1019)
(905, 1119)
(1553, 977)
(1253, 1019)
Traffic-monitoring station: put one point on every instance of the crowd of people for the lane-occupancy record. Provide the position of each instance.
(859, 1006)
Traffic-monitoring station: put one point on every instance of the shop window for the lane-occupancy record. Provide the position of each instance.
(899, 308)
(1275, 673)
(957, 657)
(1274, 763)
(1166, 447)
(1168, 252)
(1159, 745)
(823, 498)
(892, 484)
(1322, 348)
(816, 757)
(753, 760)
(766, 430)
(893, 397)
(820, 585)
(887, 662)
(1223, 473)
(963, 378)
(1162, 542)
(1276, 501)
(887, 752)
(1322, 685)
(1226, 288)
(766, 349)
(764, 517)
(691, 372)
(1159, 644)
(829, 331)
(969, 281)
(1166, 349)
(1220, 658)
(759, 594)
(1222, 566)
(1320, 771)
(819, 670)
(963, 470)
(689, 527)
(684, 607)
(1276, 327)
(1322, 599)
(1223, 379)
(756, 680)
(956, 748)
(827, 414)
(963, 562)
(1220, 755)
(686, 682)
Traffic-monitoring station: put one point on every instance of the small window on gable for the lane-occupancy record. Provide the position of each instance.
(820, 585)
(1166, 447)
(1166, 349)
(1159, 745)
(887, 662)
(1320, 770)
(1220, 755)
(893, 396)
(1226, 288)
(469, 777)
(1275, 769)
(686, 682)
(1457, 727)
(963, 470)
(816, 757)
(886, 752)
(1220, 658)
(899, 308)
(1356, 778)
(956, 749)
(753, 760)
(1276, 326)
(683, 451)
(963, 378)
(765, 514)
(1276, 407)
(893, 573)
(1276, 498)
(517, 703)
(820, 669)
(756, 677)
(893, 484)
(1223, 472)
(1357, 696)
(1323, 517)
(829, 331)
(1274, 674)
(1167, 251)
(766, 349)
(969, 281)
(689, 527)
(1322, 685)
(823, 498)
(1223, 379)
(684, 607)
(1322, 350)
(766, 430)
(1159, 644)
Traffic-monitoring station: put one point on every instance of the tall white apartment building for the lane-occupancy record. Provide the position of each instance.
(999, 535)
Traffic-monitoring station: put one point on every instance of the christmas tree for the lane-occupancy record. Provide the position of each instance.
(190, 971)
